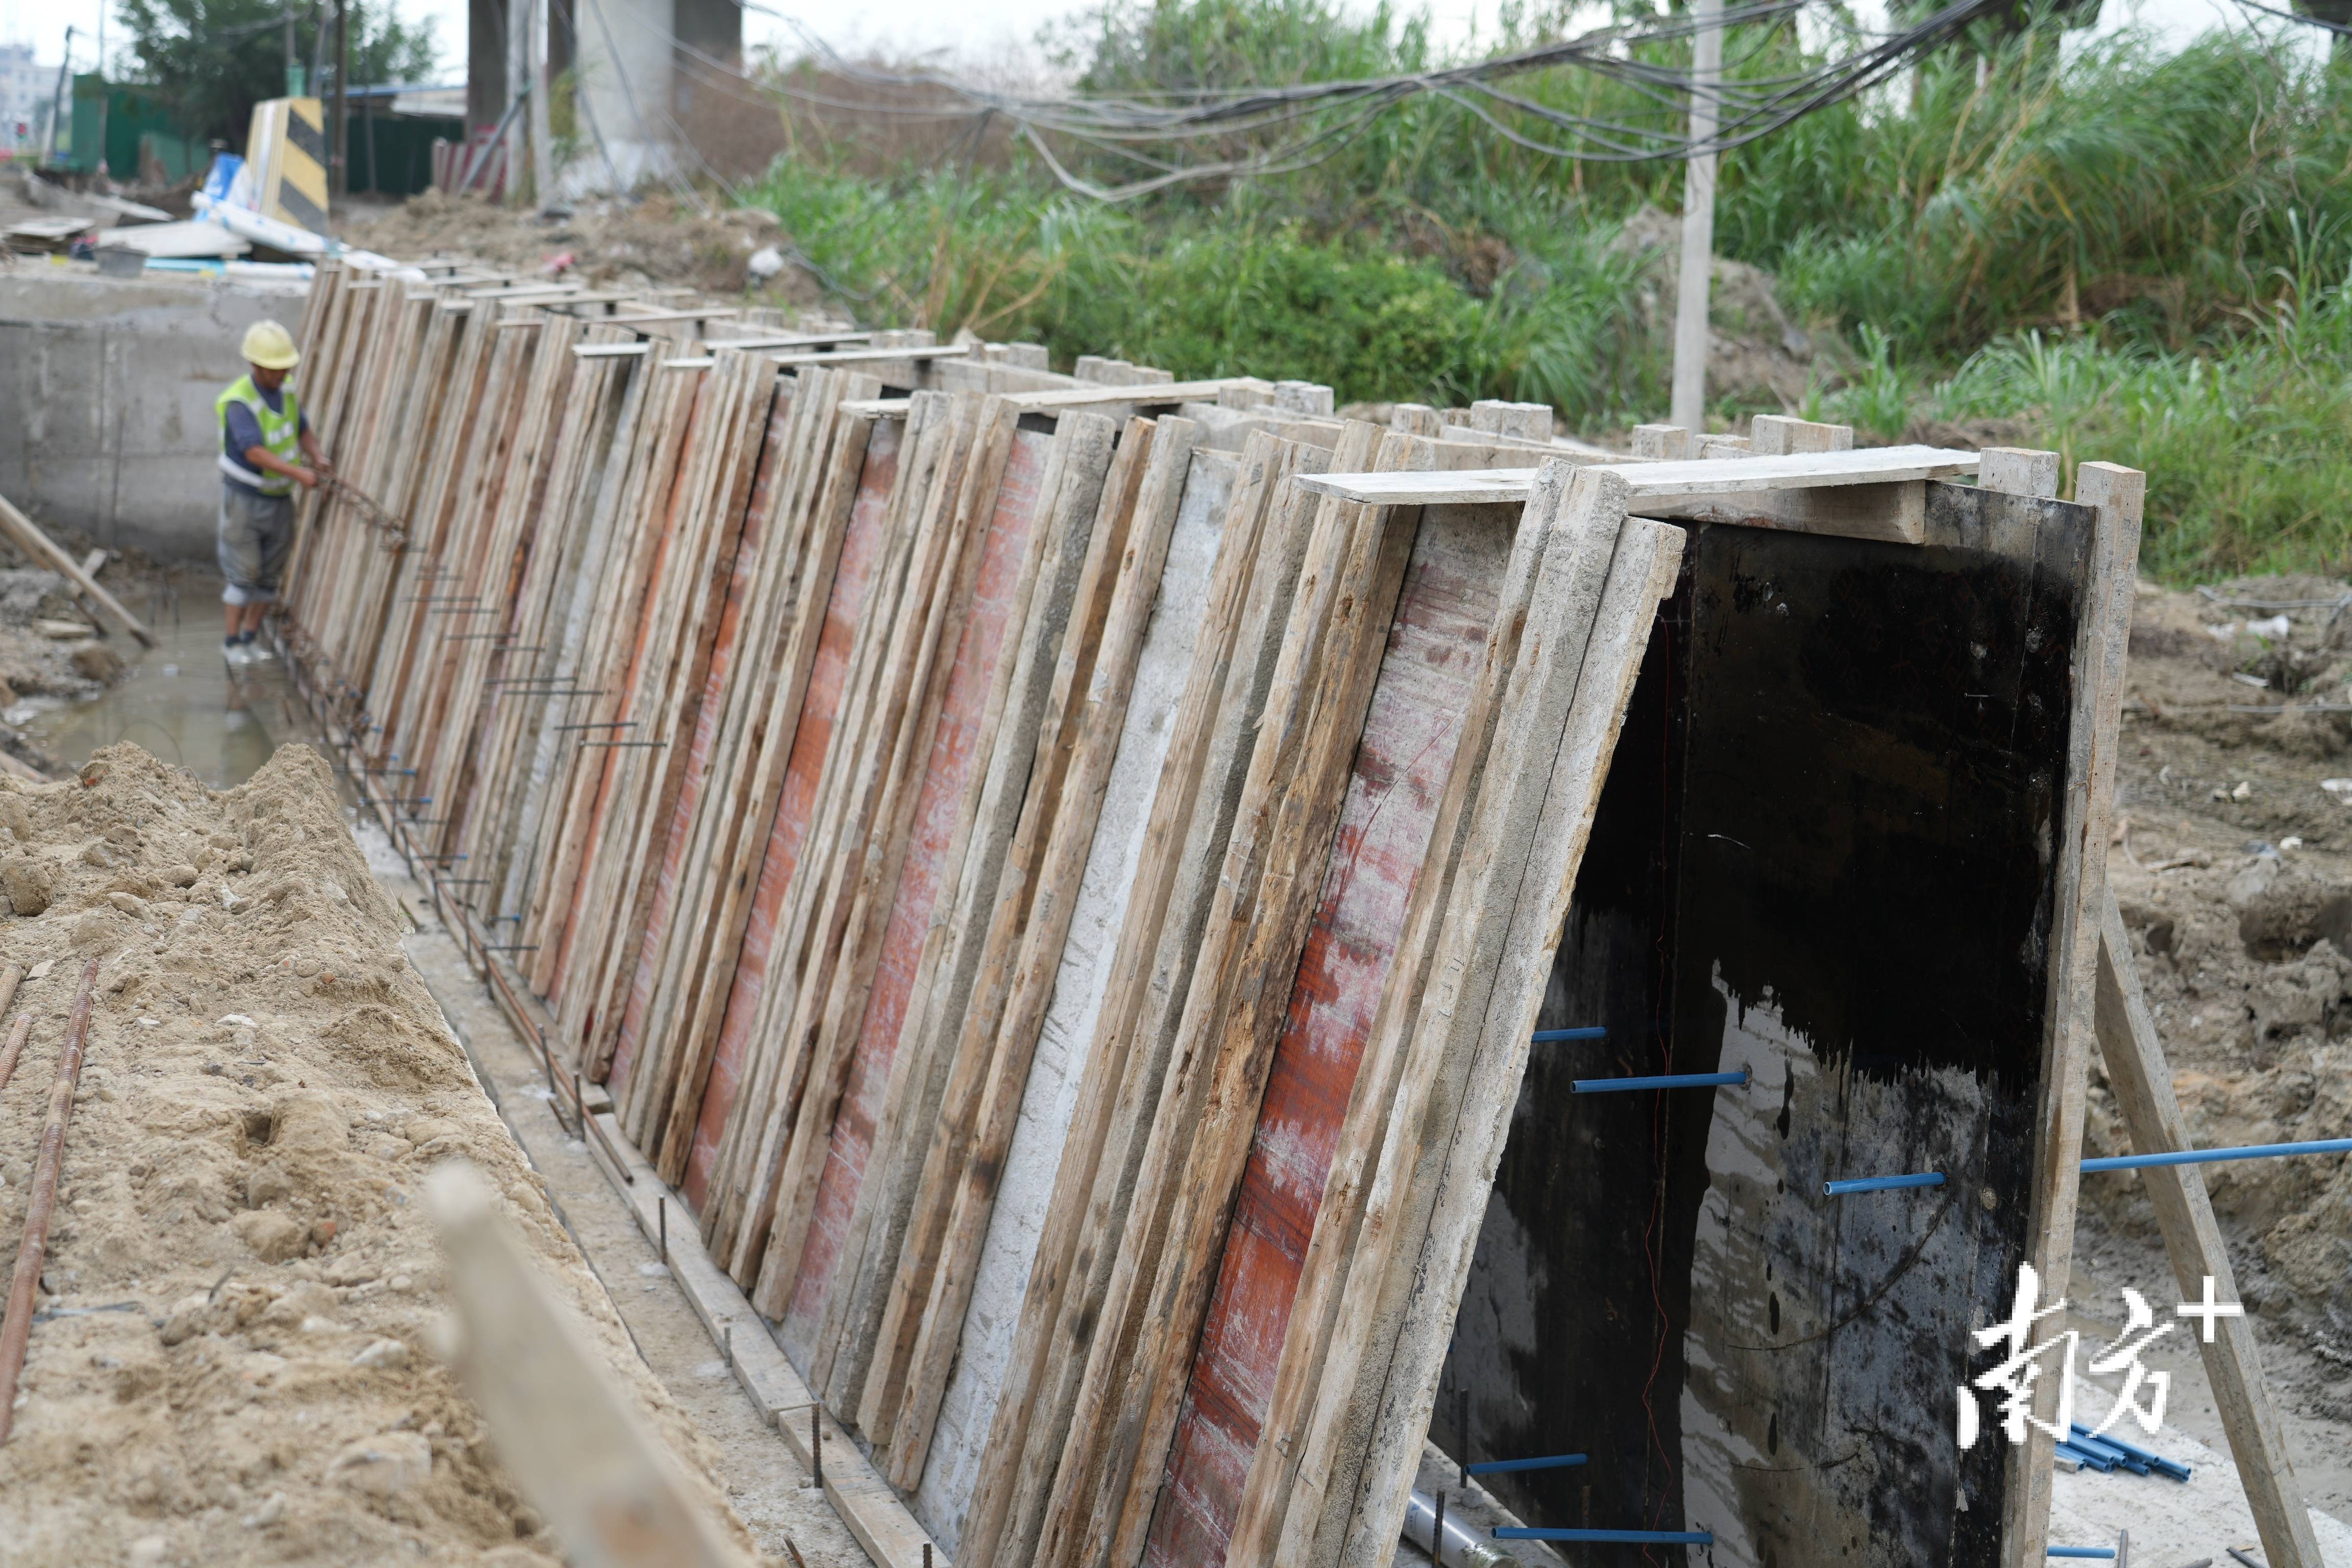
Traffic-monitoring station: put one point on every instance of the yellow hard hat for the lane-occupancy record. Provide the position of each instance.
(270, 346)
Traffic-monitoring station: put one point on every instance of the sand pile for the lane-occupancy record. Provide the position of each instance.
(234, 1363)
(2233, 867)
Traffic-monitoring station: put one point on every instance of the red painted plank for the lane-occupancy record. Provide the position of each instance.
(1436, 644)
(705, 727)
(861, 546)
(923, 875)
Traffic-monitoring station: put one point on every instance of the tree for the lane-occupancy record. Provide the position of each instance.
(212, 60)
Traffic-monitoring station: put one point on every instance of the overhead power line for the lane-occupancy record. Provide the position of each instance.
(1294, 126)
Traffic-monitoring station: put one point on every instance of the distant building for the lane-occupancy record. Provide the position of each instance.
(27, 98)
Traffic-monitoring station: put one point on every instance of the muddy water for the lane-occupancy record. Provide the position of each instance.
(184, 704)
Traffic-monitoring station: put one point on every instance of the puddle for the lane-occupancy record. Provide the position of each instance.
(184, 704)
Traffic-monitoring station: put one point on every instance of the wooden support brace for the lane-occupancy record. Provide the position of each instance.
(27, 536)
(612, 1495)
(2143, 1086)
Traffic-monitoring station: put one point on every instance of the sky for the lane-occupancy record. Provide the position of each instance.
(959, 28)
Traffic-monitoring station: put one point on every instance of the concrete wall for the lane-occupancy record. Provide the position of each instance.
(106, 398)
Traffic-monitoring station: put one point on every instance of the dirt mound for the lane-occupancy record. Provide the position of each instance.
(656, 241)
(232, 1362)
(2232, 863)
(1755, 353)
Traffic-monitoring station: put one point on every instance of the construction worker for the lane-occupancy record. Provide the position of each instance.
(263, 433)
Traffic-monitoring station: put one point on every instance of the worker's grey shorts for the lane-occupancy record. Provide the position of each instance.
(257, 534)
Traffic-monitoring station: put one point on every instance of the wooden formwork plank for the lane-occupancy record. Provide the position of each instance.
(523, 665)
(2115, 497)
(1556, 730)
(868, 788)
(737, 1224)
(1422, 735)
(1207, 757)
(1004, 1247)
(733, 641)
(503, 575)
(922, 658)
(1056, 739)
(607, 620)
(694, 1116)
(564, 663)
(661, 689)
(1347, 585)
(1061, 887)
(962, 739)
(1077, 466)
(787, 605)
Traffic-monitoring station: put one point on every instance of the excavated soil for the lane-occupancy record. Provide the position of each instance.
(232, 1362)
(2233, 865)
(635, 243)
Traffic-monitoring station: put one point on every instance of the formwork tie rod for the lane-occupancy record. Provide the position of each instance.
(1666, 1081)
(1512, 1466)
(1882, 1184)
(2119, 1163)
(1595, 1032)
(1620, 1537)
(2216, 1156)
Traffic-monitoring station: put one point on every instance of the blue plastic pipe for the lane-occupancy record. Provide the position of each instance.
(1546, 1036)
(1882, 1184)
(2084, 1456)
(1669, 1080)
(2084, 1442)
(2081, 1552)
(1625, 1537)
(2173, 1467)
(2215, 1156)
(2109, 1162)
(1508, 1466)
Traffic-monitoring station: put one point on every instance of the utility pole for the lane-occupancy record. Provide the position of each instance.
(340, 181)
(1689, 407)
(543, 135)
(518, 84)
(60, 106)
(293, 58)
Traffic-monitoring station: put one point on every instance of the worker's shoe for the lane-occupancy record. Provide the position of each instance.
(256, 651)
(235, 651)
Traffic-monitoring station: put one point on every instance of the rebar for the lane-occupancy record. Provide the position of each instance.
(16, 1326)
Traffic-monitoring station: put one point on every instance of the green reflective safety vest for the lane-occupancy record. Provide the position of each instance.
(281, 431)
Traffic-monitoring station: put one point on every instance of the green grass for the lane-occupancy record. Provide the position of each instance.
(2125, 256)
